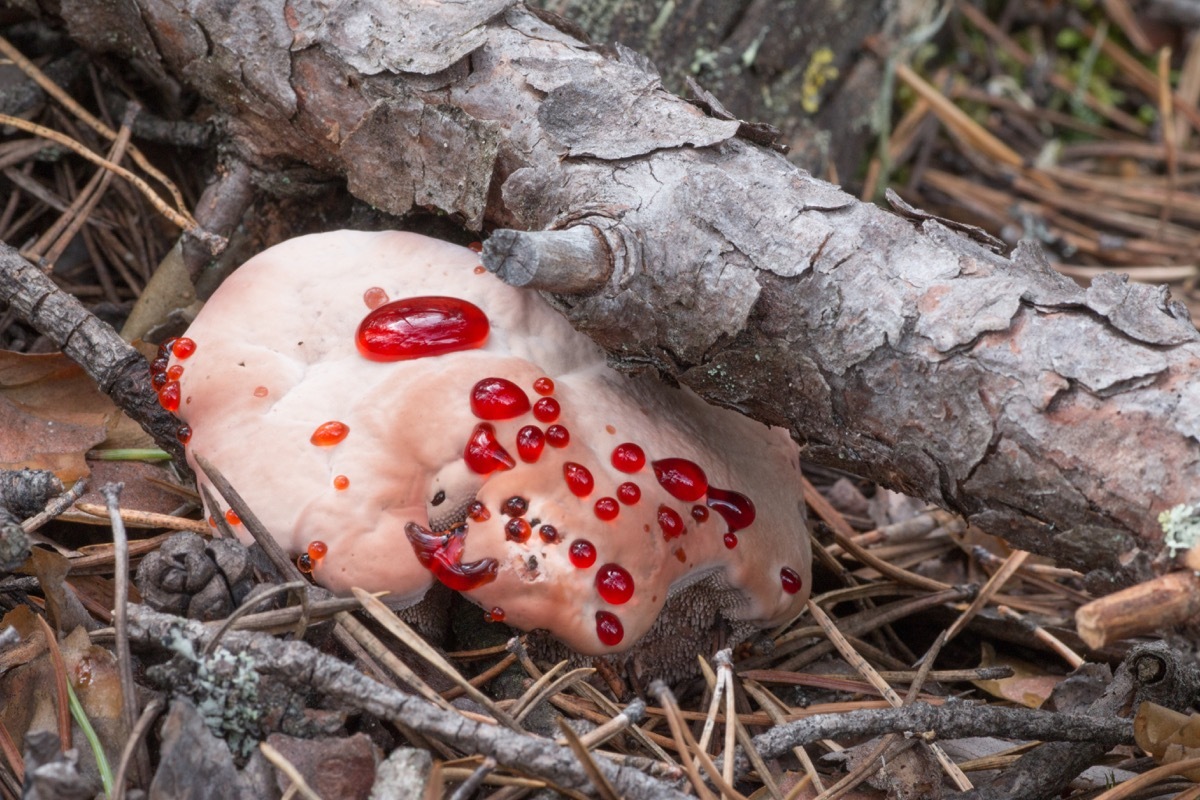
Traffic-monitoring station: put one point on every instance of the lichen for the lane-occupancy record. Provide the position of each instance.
(1181, 527)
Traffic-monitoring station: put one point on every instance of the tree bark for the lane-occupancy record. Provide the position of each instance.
(893, 346)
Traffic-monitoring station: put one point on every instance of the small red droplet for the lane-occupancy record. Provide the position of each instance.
(736, 509)
(495, 615)
(514, 506)
(375, 297)
(609, 429)
(607, 509)
(699, 513)
(232, 518)
(517, 530)
(483, 452)
(629, 493)
(670, 522)
(582, 553)
(159, 365)
(317, 550)
(579, 479)
(184, 434)
(341, 482)
(421, 326)
(498, 398)
(478, 512)
(530, 441)
(547, 409)
(614, 583)
(158, 380)
(329, 433)
(304, 563)
(549, 534)
(475, 247)
(168, 396)
(543, 386)
(558, 436)
(791, 580)
(175, 372)
(212, 521)
(628, 457)
(681, 478)
(479, 270)
(260, 391)
(183, 347)
(731, 540)
(608, 629)
(680, 555)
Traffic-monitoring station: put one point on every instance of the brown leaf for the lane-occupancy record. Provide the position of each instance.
(1167, 735)
(1029, 684)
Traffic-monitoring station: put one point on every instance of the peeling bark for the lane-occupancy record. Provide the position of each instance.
(892, 346)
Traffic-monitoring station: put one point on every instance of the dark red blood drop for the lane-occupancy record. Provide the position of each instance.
(699, 513)
(735, 507)
(731, 540)
(543, 386)
(475, 247)
(628, 457)
(498, 398)
(614, 583)
(582, 553)
(184, 434)
(514, 506)
(608, 629)
(158, 380)
(558, 436)
(530, 441)
(483, 452)
(791, 580)
(681, 478)
(183, 347)
(517, 530)
(441, 554)
(304, 563)
(168, 396)
(330, 433)
(159, 365)
(547, 409)
(495, 615)
(478, 512)
(549, 534)
(670, 522)
(579, 479)
(629, 493)
(416, 327)
(607, 509)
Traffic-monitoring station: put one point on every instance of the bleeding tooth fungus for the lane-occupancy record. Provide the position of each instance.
(393, 426)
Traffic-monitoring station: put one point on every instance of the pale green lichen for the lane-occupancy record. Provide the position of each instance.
(224, 686)
(1181, 527)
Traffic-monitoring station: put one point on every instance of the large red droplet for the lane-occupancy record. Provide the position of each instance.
(558, 436)
(579, 479)
(608, 629)
(614, 583)
(547, 409)
(606, 508)
(183, 347)
(483, 452)
(441, 554)
(628, 457)
(168, 396)
(543, 386)
(582, 553)
(670, 522)
(330, 433)
(530, 441)
(416, 327)
(629, 493)
(791, 580)
(681, 478)
(498, 398)
(735, 507)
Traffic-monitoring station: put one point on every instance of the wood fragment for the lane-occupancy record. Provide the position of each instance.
(1167, 600)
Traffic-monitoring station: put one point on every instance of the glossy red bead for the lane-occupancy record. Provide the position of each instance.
(484, 453)
(669, 522)
(582, 553)
(341, 483)
(629, 493)
(606, 508)
(183, 347)
(330, 433)
(530, 443)
(608, 629)
(498, 398)
(731, 540)
(791, 580)
(543, 386)
(579, 479)
(547, 410)
(558, 436)
(416, 327)
(168, 396)
(683, 479)
(614, 584)
(517, 530)
(628, 457)
(317, 550)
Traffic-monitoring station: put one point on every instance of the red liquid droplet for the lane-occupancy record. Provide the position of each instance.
(304, 563)
(183, 347)
(681, 478)
(608, 629)
(232, 518)
(164, 349)
(514, 506)
(158, 380)
(670, 522)
(184, 434)
(475, 247)
(699, 513)
(498, 398)
(543, 386)
(159, 365)
(375, 297)
(317, 550)
(730, 540)
(547, 409)
(441, 554)
(680, 555)
(168, 396)
(517, 530)
(549, 534)
(609, 429)
(212, 521)
(484, 454)
(791, 580)
(629, 493)
(579, 479)
(530, 441)
(614, 583)
(479, 270)
(628, 457)
(421, 326)
(330, 433)
(607, 509)
(260, 391)
(558, 436)
(175, 372)
(582, 553)
(341, 483)
(478, 512)
(735, 507)
(495, 615)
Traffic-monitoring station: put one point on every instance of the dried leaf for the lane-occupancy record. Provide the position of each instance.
(1029, 684)
(1167, 735)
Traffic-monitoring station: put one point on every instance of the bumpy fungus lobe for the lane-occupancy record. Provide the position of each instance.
(469, 414)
